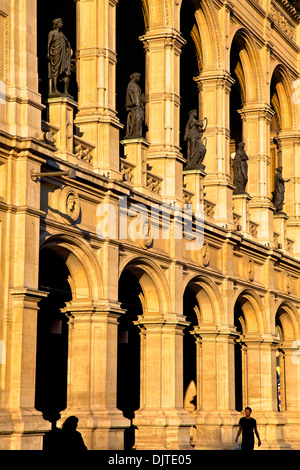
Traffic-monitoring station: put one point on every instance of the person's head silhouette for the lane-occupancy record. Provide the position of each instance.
(70, 424)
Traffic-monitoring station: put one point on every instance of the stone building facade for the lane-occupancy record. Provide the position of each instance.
(109, 309)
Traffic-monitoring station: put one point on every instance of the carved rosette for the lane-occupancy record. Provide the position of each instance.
(69, 205)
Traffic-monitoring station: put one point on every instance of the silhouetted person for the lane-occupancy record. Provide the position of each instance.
(246, 426)
(52, 440)
(72, 440)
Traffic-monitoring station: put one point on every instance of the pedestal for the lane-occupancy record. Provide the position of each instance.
(241, 208)
(279, 223)
(194, 183)
(135, 151)
(61, 114)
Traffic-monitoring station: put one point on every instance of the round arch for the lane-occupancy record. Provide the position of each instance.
(85, 274)
(288, 320)
(248, 69)
(209, 300)
(254, 319)
(156, 299)
(208, 34)
(280, 96)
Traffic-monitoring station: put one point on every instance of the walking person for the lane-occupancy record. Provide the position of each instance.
(248, 426)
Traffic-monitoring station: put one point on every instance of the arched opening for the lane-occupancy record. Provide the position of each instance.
(249, 324)
(239, 321)
(130, 26)
(287, 335)
(281, 119)
(52, 336)
(190, 310)
(128, 371)
(190, 66)
(237, 95)
(55, 9)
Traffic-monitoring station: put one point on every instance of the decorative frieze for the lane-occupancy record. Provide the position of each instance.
(282, 22)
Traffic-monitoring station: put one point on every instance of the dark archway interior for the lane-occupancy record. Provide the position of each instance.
(189, 344)
(236, 128)
(66, 10)
(238, 316)
(189, 69)
(52, 337)
(130, 53)
(128, 374)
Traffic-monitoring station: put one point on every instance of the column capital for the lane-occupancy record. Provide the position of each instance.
(25, 295)
(218, 78)
(256, 111)
(157, 38)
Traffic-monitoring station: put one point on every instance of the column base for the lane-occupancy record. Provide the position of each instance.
(163, 430)
(22, 430)
(194, 183)
(100, 429)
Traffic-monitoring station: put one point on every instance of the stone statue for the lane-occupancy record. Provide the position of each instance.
(196, 149)
(59, 57)
(279, 190)
(240, 169)
(134, 104)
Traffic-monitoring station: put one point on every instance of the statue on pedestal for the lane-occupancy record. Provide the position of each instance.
(134, 104)
(240, 169)
(279, 190)
(196, 149)
(59, 57)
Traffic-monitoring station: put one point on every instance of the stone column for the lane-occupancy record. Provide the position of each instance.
(96, 68)
(256, 120)
(20, 74)
(24, 422)
(162, 422)
(292, 378)
(215, 86)
(162, 111)
(291, 384)
(215, 415)
(92, 375)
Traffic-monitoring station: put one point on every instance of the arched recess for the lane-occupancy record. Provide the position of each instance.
(66, 10)
(287, 324)
(200, 29)
(68, 272)
(86, 277)
(250, 323)
(132, 19)
(246, 70)
(202, 308)
(191, 64)
(283, 118)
